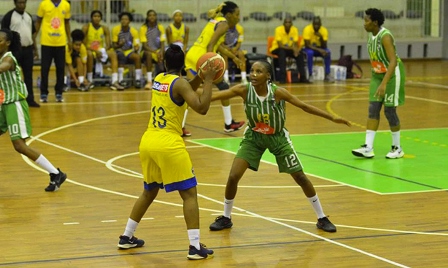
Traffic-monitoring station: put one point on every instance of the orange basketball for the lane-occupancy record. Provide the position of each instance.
(218, 61)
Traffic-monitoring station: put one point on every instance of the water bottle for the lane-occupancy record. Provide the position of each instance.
(38, 82)
(338, 74)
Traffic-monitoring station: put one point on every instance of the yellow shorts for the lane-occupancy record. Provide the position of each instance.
(154, 55)
(192, 57)
(166, 162)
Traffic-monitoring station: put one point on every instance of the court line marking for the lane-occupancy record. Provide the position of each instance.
(210, 199)
(237, 208)
(313, 235)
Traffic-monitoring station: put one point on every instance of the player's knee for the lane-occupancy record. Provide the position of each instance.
(222, 85)
(391, 115)
(374, 110)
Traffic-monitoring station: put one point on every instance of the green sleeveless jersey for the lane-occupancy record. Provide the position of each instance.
(11, 83)
(264, 114)
(377, 53)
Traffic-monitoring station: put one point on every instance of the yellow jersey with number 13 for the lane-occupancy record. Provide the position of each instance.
(166, 113)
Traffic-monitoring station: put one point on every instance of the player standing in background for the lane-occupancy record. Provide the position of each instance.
(14, 111)
(386, 84)
(210, 40)
(162, 145)
(54, 18)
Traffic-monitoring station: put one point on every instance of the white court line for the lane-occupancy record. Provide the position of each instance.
(174, 204)
(313, 235)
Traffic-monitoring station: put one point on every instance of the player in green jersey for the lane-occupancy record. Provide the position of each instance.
(264, 104)
(14, 110)
(386, 85)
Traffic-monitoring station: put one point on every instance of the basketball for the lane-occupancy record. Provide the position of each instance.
(218, 61)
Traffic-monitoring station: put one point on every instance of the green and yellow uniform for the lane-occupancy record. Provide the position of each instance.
(266, 130)
(395, 93)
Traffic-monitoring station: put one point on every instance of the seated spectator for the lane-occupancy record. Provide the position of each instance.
(76, 59)
(126, 42)
(177, 32)
(152, 36)
(97, 41)
(233, 41)
(286, 45)
(315, 37)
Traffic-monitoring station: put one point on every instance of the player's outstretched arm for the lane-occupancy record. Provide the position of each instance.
(238, 90)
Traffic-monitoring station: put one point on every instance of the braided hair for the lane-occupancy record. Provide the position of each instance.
(268, 68)
(174, 58)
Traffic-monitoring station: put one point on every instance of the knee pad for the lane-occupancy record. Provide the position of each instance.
(374, 110)
(222, 85)
(391, 115)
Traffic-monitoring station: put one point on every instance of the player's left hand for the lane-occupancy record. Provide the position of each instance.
(340, 120)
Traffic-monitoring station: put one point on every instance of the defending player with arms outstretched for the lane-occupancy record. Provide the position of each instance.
(386, 84)
(14, 110)
(264, 104)
(162, 145)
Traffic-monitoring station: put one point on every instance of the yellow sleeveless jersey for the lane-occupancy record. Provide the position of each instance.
(95, 37)
(199, 47)
(166, 114)
(177, 34)
(53, 22)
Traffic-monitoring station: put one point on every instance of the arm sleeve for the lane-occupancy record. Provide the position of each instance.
(162, 33)
(6, 21)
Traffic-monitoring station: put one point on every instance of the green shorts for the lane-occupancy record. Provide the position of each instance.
(15, 118)
(394, 95)
(280, 145)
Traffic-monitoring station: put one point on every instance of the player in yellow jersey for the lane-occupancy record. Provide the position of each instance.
(211, 40)
(177, 32)
(76, 60)
(53, 16)
(162, 145)
(233, 41)
(126, 42)
(98, 44)
(152, 35)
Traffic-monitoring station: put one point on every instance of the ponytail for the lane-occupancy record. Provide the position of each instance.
(212, 13)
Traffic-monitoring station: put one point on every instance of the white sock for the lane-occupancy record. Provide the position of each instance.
(227, 114)
(90, 76)
(114, 77)
(193, 235)
(138, 74)
(314, 201)
(149, 76)
(131, 226)
(120, 74)
(67, 80)
(185, 118)
(370, 137)
(228, 205)
(45, 164)
(243, 76)
(99, 68)
(396, 138)
(226, 75)
(81, 79)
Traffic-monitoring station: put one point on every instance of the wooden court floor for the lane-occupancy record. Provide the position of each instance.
(94, 136)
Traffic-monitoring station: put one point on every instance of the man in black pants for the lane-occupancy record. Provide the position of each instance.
(22, 22)
(54, 17)
(286, 45)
